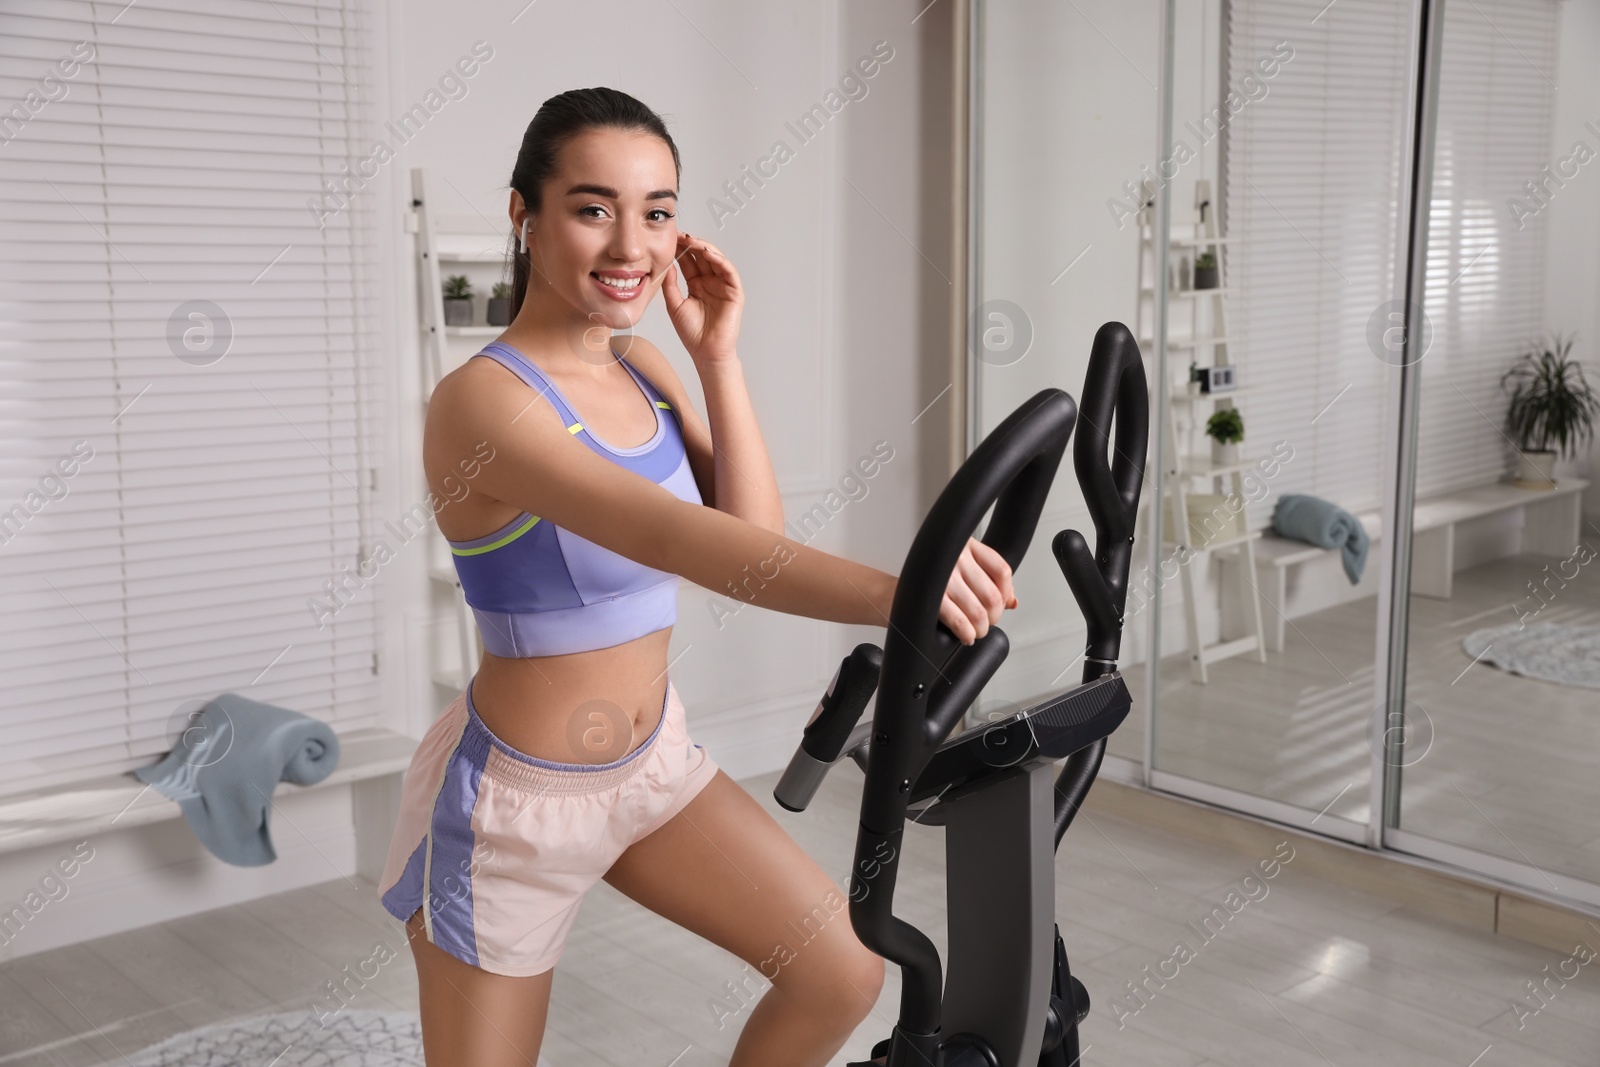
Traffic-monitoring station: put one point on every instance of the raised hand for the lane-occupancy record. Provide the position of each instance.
(707, 318)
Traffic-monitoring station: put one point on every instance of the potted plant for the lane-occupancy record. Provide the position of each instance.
(1194, 379)
(499, 310)
(1225, 427)
(457, 301)
(1552, 404)
(1205, 271)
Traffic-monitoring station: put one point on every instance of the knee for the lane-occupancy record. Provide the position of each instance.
(845, 987)
(866, 977)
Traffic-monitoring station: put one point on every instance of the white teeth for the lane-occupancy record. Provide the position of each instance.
(620, 283)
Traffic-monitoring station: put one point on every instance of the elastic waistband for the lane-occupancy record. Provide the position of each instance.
(517, 768)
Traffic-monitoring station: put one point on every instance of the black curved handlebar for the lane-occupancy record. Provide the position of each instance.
(928, 678)
(1114, 390)
(1011, 469)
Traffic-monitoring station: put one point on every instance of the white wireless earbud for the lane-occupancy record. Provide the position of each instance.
(522, 238)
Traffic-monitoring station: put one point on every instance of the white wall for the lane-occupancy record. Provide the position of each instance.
(844, 255)
(1068, 115)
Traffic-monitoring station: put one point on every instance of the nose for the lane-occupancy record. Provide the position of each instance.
(627, 240)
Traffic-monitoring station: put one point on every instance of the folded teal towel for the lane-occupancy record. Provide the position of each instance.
(1310, 519)
(226, 764)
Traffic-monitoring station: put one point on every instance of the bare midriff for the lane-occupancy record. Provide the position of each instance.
(585, 707)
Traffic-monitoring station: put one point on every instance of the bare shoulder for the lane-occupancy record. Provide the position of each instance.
(477, 401)
(456, 402)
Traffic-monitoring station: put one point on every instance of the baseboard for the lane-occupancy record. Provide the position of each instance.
(1420, 884)
(160, 871)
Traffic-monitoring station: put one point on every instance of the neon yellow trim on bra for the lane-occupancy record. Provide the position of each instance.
(506, 540)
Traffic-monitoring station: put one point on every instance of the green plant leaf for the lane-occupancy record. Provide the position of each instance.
(1553, 406)
(1226, 425)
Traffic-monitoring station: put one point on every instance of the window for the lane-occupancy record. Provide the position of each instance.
(1313, 201)
(1486, 261)
(188, 412)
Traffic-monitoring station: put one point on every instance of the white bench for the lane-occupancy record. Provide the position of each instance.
(1551, 520)
(66, 812)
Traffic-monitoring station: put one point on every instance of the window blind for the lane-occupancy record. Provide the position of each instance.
(1485, 281)
(1312, 205)
(188, 418)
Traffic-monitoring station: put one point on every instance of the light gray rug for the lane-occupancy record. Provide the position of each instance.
(295, 1039)
(1569, 655)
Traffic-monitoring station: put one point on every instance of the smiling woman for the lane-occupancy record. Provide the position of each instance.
(569, 754)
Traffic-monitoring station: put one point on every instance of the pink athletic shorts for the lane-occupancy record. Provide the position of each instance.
(498, 848)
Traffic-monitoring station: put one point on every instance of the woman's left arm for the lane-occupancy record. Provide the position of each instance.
(743, 482)
(707, 322)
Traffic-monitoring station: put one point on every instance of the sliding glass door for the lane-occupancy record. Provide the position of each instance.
(1502, 675)
(1289, 146)
(1347, 614)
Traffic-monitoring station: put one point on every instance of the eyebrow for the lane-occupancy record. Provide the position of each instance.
(607, 191)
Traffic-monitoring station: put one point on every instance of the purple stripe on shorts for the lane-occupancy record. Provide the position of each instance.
(451, 840)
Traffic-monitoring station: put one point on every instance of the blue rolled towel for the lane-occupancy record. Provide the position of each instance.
(224, 767)
(1311, 519)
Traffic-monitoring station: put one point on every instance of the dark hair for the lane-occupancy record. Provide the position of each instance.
(558, 120)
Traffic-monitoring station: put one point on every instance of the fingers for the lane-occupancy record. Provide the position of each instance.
(687, 259)
(956, 620)
(979, 591)
(974, 616)
(705, 259)
(999, 571)
(984, 590)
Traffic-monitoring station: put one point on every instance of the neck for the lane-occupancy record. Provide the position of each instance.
(562, 336)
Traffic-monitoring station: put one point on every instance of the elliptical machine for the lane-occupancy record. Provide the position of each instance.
(1010, 999)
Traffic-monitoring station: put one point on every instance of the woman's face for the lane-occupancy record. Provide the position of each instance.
(607, 229)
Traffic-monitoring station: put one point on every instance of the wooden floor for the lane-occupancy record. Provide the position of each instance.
(1511, 764)
(1305, 974)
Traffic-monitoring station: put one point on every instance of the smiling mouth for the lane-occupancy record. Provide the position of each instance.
(624, 285)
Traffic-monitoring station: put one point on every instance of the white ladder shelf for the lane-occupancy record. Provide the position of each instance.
(441, 570)
(1206, 333)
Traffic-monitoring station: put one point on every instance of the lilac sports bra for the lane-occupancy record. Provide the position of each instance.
(539, 590)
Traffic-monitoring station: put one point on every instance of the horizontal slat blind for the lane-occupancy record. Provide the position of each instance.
(175, 164)
(1312, 205)
(1485, 279)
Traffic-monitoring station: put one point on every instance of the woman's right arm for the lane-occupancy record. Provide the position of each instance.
(538, 466)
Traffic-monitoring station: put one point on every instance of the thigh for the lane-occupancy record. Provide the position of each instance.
(724, 869)
(472, 1017)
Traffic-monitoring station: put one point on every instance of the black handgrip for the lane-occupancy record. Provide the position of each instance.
(1114, 391)
(841, 706)
(964, 678)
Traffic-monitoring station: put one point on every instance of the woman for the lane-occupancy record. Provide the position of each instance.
(567, 759)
